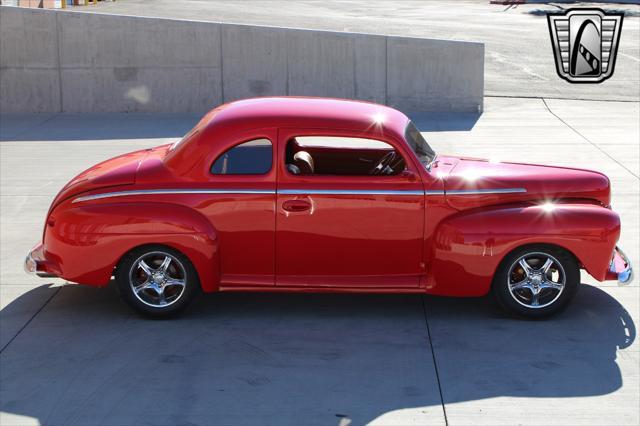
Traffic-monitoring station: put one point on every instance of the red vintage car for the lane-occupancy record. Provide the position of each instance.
(326, 195)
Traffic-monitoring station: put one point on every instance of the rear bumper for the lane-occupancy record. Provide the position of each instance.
(620, 267)
(37, 264)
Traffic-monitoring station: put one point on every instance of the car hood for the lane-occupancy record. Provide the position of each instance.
(477, 182)
(117, 171)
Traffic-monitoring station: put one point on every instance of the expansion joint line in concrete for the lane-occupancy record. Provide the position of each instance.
(433, 355)
(629, 101)
(60, 91)
(17, 136)
(30, 319)
(587, 140)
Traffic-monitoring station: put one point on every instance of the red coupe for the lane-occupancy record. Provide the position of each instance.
(326, 195)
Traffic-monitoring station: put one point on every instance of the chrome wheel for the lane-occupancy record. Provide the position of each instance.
(536, 280)
(157, 279)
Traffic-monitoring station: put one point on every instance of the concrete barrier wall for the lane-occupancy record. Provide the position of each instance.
(55, 61)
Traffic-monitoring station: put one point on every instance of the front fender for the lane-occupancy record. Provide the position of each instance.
(88, 240)
(469, 246)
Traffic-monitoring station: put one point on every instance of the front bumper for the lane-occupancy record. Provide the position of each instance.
(36, 263)
(620, 267)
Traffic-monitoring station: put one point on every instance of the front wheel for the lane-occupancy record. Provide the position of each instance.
(156, 280)
(536, 281)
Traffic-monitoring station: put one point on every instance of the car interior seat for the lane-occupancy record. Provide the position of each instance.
(304, 162)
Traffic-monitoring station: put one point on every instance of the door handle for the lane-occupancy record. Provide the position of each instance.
(296, 205)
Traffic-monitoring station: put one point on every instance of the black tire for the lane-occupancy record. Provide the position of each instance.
(515, 290)
(160, 293)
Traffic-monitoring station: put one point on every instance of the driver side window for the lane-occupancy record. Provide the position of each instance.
(332, 155)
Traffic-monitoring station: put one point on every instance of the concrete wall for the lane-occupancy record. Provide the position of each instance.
(55, 61)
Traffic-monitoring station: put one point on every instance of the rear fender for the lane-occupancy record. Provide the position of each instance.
(469, 246)
(87, 241)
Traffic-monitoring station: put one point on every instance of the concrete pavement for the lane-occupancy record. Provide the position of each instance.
(76, 355)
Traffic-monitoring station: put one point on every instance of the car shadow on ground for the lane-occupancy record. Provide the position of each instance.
(291, 359)
(482, 353)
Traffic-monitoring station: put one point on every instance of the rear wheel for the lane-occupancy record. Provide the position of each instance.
(157, 281)
(536, 281)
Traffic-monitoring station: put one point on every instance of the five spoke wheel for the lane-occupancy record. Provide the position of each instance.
(536, 280)
(158, 279)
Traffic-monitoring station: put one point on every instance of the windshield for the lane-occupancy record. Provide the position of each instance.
(418, 144)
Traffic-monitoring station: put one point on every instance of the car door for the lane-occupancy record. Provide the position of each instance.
(243, 169)
(347, 230)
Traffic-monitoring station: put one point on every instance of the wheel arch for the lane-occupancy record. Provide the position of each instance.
(534, 247)
(538, 245)
(150, 246)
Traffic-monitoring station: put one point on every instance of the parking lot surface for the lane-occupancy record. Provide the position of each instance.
(75, 355)
(518, 55)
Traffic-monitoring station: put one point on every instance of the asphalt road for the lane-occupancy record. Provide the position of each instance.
(518, 56)
(72, 355)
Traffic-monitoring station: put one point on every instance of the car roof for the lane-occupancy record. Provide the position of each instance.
(306, 112)
(364, 119)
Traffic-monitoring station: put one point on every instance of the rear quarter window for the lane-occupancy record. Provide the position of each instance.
(253, 157)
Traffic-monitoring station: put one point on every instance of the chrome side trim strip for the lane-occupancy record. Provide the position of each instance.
(172, 191)
(244, 191)
(400, 192)
(485, 191)
(298, 192)
(346, 192)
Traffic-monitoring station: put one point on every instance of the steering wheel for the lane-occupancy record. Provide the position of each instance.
(383, 166)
